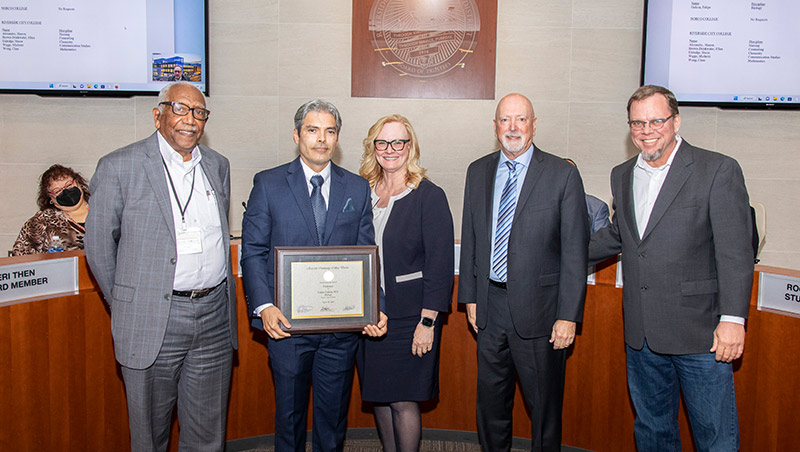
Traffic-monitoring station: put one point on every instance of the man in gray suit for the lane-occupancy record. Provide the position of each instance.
(157, 242)
(523, 276)
(682, 222)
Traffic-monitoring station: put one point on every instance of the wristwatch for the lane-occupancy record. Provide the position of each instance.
(427, 322)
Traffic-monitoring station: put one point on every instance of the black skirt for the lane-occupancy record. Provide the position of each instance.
(387, 370)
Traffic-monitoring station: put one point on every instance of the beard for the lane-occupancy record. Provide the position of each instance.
(510, 147)
(652, 157)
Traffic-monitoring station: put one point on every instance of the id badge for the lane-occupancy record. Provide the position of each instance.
(190, 241)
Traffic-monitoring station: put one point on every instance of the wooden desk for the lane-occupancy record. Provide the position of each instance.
(60, 387)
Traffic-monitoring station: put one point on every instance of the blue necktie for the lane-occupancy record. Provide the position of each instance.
(505, 215)
(318, 205)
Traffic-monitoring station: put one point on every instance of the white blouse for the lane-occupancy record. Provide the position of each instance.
(380, 216)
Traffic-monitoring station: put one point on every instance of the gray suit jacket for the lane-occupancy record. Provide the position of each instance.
(130, 244)
(693, 263)
(546, 249)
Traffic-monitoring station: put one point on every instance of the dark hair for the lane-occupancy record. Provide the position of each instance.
(57, 172)
(651, 90)
(317, 105)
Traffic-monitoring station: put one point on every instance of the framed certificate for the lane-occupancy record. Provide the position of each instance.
(324, 289)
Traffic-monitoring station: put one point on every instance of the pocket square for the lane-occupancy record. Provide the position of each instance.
(348, 206)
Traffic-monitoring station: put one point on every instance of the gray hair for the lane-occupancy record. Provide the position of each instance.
(163, 95)
(317, 105)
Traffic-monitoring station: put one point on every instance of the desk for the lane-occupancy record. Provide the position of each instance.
(61, 390)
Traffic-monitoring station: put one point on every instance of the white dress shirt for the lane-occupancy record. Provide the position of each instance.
(207, 268)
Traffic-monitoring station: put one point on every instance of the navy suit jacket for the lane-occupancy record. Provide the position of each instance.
(417, 250)
(598, 213)
(279, 214)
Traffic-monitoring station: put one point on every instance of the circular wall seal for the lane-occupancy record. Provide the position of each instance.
(422, 38)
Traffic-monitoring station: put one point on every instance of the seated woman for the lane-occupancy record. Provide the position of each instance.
(63, 206)
(414, 230)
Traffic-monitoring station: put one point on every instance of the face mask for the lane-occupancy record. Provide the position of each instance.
(69, 197)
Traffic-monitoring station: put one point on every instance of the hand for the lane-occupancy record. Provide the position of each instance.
(270, 317)
(423, 340)
(728, 341)
(471, 316)
(379, 329)
(563, 334)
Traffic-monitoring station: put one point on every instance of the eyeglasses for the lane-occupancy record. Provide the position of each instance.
(396, 145)
(181, 109)
(655, 124)
(58, 191)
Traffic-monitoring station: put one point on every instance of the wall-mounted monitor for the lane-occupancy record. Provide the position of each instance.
(102, 47)
(724, 53)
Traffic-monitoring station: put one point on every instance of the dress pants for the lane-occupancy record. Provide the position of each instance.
(328, 360)
(194, 367)
(503, 355)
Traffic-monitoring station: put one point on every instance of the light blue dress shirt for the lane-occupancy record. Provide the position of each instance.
(500, 177)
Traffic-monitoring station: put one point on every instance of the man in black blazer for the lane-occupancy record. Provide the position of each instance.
(682, 222)
(522, 276)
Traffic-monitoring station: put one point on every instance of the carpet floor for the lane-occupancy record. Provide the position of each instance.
(372, 445)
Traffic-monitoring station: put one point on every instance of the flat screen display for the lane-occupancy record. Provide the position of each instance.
(102, 47)
(728, 53)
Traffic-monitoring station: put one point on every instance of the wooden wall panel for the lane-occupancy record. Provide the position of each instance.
(60, 387)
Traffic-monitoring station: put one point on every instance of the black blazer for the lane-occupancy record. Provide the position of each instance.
(546, 249)
(417, 250)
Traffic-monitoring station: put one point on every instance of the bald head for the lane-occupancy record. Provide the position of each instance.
(514, 124)
(514, 100)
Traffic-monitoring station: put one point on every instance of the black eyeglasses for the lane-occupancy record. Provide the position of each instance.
(396, 145)
(655, 124)
(181, 109)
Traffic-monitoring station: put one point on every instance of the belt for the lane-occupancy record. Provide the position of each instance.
(499, 284)
(196, 293)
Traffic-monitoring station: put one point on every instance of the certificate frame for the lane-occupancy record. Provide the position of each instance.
(326, 272)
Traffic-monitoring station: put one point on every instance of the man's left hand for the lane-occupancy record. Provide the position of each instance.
(563, 334)
(379, 329)
(728, 341)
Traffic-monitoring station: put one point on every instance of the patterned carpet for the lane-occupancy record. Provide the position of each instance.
(371, 445)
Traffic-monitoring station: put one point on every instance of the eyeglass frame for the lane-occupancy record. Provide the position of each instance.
(390, 144)
(70, 184)
(194, 110)
(655, 124)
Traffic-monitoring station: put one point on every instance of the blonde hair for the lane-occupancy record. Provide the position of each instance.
(372, 171)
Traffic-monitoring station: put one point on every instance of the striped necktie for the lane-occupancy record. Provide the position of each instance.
(505, 215)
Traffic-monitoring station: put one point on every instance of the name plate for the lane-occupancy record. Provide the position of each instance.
(779, 293)
(38, 279)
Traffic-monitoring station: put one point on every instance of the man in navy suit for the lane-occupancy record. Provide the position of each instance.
(284, 210)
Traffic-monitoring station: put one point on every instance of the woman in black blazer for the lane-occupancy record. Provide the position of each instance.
(414, 230)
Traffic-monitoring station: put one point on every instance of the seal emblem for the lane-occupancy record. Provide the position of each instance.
(421, 38)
